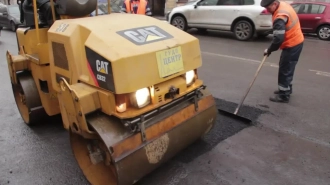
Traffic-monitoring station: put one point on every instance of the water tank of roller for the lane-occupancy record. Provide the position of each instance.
(75, 8)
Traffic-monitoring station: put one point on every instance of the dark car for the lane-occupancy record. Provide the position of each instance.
(314, 18)
(9, 16)
(99, 12)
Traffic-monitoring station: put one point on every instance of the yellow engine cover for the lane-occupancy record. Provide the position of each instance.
(120, 52)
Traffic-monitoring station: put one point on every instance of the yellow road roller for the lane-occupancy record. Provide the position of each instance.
(125, 85)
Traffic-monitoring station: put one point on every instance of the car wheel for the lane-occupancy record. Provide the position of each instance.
(179, 22)
(243, 30)
(13, 27)
(323, 33)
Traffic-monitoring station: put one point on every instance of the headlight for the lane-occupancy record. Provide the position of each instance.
(190, 75)
(140, 98)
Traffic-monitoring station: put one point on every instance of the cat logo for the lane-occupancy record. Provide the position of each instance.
(145, 35)
(102, 66)
(53, 96)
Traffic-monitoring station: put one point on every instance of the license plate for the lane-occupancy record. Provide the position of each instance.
(169, 61)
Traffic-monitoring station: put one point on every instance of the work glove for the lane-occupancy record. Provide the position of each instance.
(266, 52)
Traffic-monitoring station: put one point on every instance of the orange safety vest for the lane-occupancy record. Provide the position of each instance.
(141, 6)
(293, 34)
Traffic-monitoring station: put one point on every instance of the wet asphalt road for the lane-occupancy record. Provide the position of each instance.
(288, 143)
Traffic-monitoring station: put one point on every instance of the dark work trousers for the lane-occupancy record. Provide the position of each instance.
(289, 59)
(46, 13)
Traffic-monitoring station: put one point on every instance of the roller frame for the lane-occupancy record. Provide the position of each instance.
(31, 109)
(179, 126)
(138, 124)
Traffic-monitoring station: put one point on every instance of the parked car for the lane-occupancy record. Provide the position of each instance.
(99, 12)
(314, 17)
(9, 16)
(242, 17)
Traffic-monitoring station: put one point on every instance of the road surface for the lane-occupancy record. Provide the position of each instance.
(289, 143)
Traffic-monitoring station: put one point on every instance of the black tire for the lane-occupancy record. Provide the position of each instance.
(13, 27)
(179, 22)
(321, 32)
(243, 30)
(28, 100)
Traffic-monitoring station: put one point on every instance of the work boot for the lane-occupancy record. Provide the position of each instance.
(280, 98)
(277, 91)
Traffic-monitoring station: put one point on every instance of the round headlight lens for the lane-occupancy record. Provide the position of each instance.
(190, 75)
(141, 98)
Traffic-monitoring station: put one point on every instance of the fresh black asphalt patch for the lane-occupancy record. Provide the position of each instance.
(224, 128)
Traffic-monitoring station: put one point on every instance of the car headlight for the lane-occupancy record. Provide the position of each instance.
(190, 76)
(140, 98)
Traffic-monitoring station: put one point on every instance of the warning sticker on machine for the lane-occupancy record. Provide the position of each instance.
(145, 35)
(53, 96)
(100, 69)
(62, 27)
(169, 61)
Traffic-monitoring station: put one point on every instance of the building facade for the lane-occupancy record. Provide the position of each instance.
(160, 7)
(170, 4)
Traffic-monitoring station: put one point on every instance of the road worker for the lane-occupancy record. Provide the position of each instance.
(45, 11)
(289, 38)
(136, 7)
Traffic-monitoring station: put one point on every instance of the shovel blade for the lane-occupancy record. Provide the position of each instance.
(235, 116)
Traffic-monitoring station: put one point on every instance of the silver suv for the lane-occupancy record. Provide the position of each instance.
(242, 17)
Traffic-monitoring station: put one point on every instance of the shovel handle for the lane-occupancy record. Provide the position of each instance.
(248, 90)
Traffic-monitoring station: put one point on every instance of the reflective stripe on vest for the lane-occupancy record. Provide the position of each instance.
(293, 34)
(141, 6)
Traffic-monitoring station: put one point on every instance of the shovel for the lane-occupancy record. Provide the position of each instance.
(235, 116)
